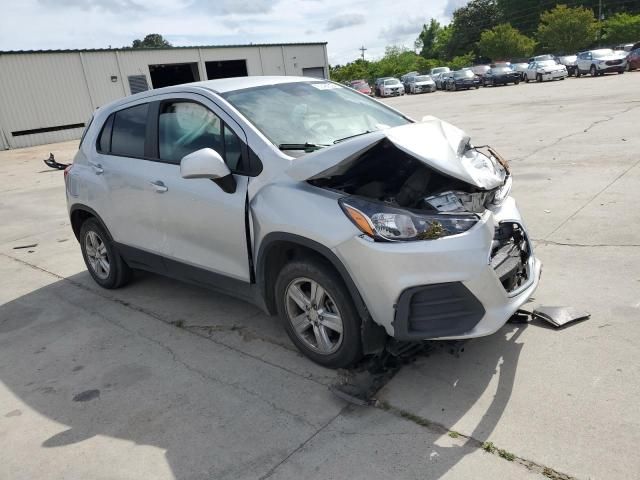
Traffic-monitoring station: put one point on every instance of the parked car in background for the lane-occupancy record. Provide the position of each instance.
(570, 62)
(462, 80)
(421, 84)
(601, 61)
(480, 70)
(385, 227)
(521, 68)
(405, 80)
(633, 60)
(540, 58)
(544, 70)
(441, 79)
(625, 47)
(500, 75)
(391, 87)
(377, 85)
(438, 71)
(361, 86)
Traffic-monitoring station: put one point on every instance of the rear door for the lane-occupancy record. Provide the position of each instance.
(125, 163)
(201, 226)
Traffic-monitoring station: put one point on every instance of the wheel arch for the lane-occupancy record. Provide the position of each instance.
(278, 248)
(79, 213)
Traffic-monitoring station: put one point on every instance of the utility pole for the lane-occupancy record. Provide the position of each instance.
(362, 50)
(600, 23)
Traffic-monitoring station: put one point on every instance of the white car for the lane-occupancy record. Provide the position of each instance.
(543, 70)
(521, 68)
(421, 84)
(601, 61)
(391, 87)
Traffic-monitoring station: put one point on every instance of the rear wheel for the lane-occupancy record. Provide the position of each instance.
(578, 74)
(101, 257)
(318, 313)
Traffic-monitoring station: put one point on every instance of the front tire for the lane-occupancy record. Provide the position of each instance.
(539, 78)
(101, 257)
(318, 313)
(593, 71)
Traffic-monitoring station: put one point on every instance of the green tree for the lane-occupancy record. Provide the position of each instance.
(567, 30)
(153, 40)
(504, 42)
(426, 41)
(461, 61)
(468, 23)
(622, 28)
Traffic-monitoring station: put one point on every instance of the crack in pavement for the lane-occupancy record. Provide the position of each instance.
(542, 241)
(586, 130)
(440, 429)
(600, 192)
(273, 469)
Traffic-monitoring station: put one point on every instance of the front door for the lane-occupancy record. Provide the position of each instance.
(202, 227)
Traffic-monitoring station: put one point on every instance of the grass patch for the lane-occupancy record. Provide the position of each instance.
(506, 455)
(489, 447)
(414, 418)
(454, 434)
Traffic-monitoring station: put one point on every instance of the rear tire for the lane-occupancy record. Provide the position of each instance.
(313, 321)
(578, 74)
(101, 257)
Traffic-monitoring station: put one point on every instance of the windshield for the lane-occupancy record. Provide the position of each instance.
(501, 69)
(392, 81)
(314, 113)
(439, 70)
(547, 63)
(602, 53)
(423, 78)
(463, 74)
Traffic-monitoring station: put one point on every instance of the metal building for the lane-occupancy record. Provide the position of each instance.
(47, 96)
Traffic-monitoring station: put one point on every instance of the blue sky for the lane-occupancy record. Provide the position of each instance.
(345, 25)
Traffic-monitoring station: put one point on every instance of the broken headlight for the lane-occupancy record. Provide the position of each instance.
(384, 222)
(503, 192)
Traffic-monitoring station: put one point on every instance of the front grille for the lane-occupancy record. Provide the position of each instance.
(614, 62)
(509, 255)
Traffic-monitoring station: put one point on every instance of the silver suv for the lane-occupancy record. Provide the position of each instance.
(348, 219)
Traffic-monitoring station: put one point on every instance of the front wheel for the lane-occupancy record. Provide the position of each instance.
(318, 313)
(103, 261)
(539, 78)
(593, 71)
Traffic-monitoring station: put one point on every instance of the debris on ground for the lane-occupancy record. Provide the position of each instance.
(560, 316)
(359, 384)
(51, 162)
(20, 247)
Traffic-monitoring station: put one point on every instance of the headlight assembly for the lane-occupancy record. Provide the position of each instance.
(384, 222)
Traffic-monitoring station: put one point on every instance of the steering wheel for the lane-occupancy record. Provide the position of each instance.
(323, 128)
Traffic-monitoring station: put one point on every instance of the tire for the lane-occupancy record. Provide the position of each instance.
(526, 80)
(620, 72)
(578, 74)
(539, 78)
(101, 257)
(593, 71)
(318, 341)
(517, 82)
(628, 67)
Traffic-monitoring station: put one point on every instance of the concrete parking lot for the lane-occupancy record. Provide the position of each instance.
(165, 380)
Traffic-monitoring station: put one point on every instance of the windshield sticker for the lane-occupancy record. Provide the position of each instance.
(325, 86)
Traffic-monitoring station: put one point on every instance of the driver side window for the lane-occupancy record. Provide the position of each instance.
(184, 127)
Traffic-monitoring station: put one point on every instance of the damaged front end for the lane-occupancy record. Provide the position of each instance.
(416, 182)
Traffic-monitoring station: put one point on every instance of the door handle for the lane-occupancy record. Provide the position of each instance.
(159, 186)
(97, 168)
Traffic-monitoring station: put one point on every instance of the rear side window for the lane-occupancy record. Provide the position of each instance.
(104, 140)
(128, 131)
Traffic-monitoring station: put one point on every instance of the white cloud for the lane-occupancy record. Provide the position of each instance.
(55, 24)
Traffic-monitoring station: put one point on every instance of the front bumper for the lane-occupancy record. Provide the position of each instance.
(453, 270)
(555, 75)
(621, 67)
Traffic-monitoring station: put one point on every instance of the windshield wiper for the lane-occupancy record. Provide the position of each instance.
(300, 146)
(352, 136)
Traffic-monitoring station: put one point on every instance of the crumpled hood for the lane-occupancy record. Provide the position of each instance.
(436, 143)
(425, 82)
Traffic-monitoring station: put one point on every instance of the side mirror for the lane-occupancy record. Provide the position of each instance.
(207, 163)
(203, 163)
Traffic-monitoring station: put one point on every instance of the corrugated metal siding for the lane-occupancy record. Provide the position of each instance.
(42, 90)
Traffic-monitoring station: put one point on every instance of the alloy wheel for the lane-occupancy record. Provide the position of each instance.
(97, 254)
(314, 315)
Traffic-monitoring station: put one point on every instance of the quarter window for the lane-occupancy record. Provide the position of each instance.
(128, 131)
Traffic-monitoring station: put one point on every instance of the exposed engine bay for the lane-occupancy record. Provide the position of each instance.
(388, 174)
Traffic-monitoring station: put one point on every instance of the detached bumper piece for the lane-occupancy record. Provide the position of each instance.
(509, 255)
(438, 310)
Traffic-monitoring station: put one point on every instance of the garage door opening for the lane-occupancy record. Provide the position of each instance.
(226, 69)
(173, 74)
(315, 72)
